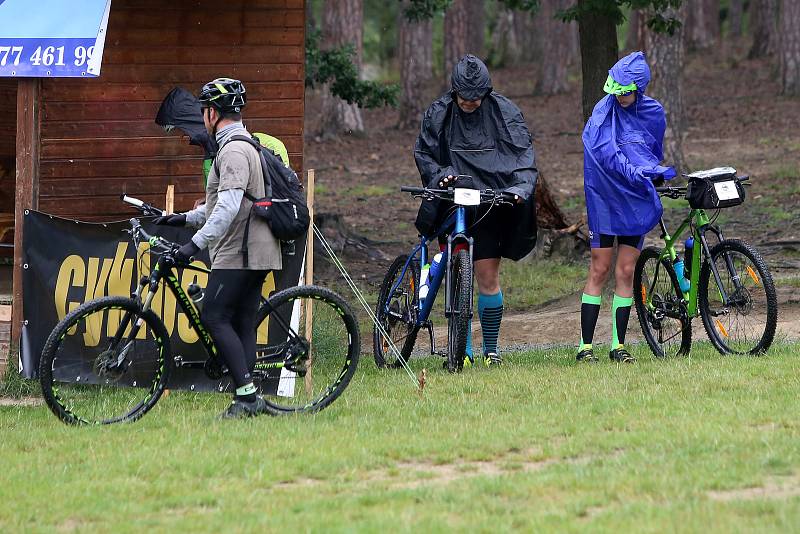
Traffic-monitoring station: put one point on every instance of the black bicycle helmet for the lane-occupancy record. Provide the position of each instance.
(225, 94)
(470, 78)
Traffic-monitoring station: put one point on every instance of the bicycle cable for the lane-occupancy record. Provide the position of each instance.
(360, 297)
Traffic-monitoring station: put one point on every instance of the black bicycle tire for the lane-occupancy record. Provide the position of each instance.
(386, 286)
(737, 245)
(641, 310)
(57, 334)
(351, 322)
(458, 322)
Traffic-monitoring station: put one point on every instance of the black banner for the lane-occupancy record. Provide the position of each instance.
(67, 263)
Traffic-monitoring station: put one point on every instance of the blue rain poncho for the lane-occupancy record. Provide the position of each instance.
(622, 152)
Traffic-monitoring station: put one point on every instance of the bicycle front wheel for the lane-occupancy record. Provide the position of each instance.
(105, 362)
(458, 322)
(745, 324)
(397, 313)
(659, 305)
(308, 345)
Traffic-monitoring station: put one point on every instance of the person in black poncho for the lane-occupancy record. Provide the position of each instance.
(472, 130)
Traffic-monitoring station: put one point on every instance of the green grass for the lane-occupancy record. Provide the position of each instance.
(541, 444)
(527, 284)
(785, 172)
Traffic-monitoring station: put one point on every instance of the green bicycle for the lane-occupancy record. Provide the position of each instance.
(729, 284)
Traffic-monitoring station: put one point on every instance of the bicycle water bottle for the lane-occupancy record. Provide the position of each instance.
(196, 293)
(428, 273)
(424, 287)
(679, 271)
(688, 250)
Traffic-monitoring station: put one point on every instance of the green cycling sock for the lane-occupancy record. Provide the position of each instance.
(620, 313)
(590, 310)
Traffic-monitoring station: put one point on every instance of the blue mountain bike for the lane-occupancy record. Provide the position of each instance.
(401, 313)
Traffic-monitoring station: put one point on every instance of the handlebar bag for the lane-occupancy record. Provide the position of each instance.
(714, 189)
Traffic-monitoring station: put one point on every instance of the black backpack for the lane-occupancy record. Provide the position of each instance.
(283, 205)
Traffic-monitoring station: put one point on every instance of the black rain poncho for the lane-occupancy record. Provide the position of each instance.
(181, 109)
(492, 144)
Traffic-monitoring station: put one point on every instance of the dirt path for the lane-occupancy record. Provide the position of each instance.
(558, 323)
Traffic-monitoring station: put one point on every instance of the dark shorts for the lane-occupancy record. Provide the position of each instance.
(607, 241)
(485, 234)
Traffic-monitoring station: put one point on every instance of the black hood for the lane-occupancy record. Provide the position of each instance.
(470, 78)
(181, 109)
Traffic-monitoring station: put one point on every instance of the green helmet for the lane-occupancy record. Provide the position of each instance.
(612, 87)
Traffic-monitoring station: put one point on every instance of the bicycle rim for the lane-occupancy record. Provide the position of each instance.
(659, 306)
(746, 323)
(94, 371)
(397, 312)
(307, 349)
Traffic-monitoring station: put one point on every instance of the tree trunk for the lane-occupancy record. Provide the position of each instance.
(554, 41)
(455, 36)
(506, 48)
(790, 47)
(666, 57)
(599, 52)
(764, 27)
(637, 25)
(735, 9)
(476, 27)
(342, 24)
(524, 38)
(416, 67)
(702, 24)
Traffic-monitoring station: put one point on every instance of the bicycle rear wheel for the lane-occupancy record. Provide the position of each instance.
(397, 313)
(746, 324)
(308, 345)
(458, 322)
(659, 305)
(95, 369)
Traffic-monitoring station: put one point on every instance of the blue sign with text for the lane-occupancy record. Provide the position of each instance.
(52, 38)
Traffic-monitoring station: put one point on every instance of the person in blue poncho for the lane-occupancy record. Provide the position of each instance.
(622, 152)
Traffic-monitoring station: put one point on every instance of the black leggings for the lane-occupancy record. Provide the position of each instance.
(229, 312)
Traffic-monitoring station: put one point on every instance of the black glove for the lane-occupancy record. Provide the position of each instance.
(658, 181)
(186, 252)
(174, 219)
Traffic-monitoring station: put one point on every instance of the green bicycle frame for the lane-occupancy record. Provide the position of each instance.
(699, 223)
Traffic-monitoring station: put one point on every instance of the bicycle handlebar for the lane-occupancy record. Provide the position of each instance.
(142, 206)
(486, 194)
(677, 192)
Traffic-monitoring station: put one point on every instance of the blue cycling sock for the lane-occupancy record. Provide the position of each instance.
(469, 342)
(490, 311)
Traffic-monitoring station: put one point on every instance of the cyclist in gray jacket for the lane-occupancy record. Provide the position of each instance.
(233, 291)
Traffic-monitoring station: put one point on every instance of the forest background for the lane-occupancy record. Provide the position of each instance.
(726, 71)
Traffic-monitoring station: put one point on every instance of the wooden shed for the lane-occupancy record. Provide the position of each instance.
(80, 142)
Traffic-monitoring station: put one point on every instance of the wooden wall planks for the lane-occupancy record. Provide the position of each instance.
(98, 136)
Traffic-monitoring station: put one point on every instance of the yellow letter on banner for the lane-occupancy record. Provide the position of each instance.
(119, 283)
(72, 272)
(187, 334)
(263, 328)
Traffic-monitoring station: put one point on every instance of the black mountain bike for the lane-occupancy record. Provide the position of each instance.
(110, 359)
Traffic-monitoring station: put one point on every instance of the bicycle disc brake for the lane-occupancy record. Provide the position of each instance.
(111, 363)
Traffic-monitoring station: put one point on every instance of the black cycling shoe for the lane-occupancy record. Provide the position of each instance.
(586, 355)
(621, 356)
(240, 409)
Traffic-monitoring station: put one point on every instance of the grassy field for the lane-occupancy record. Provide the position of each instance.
(707, 443)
